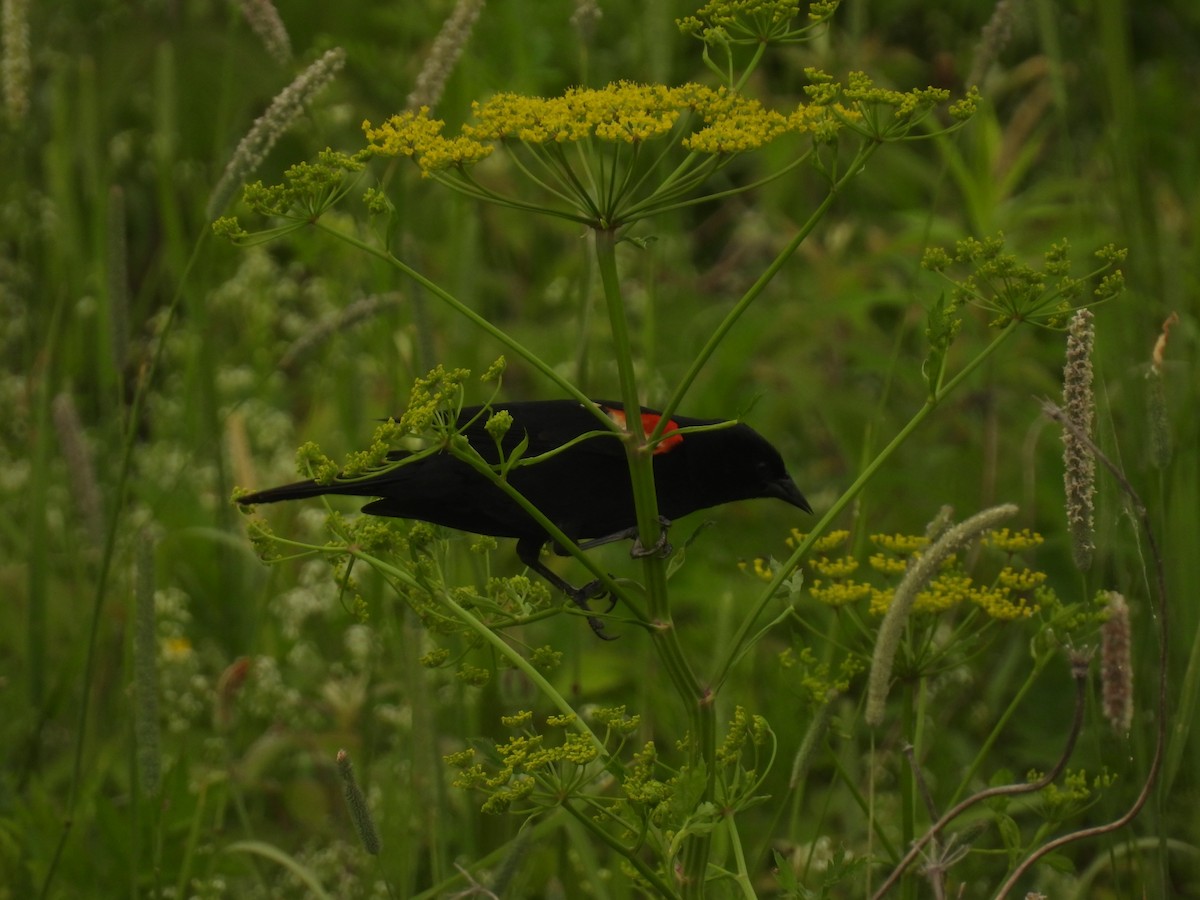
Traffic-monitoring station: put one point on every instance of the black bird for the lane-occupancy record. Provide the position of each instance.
(585, 490)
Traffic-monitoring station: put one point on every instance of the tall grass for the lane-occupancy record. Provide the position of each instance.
(144, 358)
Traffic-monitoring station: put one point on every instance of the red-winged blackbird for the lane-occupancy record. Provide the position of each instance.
(584, 490)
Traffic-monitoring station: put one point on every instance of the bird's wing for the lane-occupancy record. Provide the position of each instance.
(546, 425)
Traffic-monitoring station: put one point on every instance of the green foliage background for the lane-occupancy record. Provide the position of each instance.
(1089, 133)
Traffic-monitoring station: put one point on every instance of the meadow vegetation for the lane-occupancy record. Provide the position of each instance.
(941, 255)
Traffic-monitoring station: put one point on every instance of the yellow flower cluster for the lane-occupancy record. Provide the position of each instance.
(375, 535)
(640, 784)
(434, 658)
(888, 565)
(520, 759)
(817, 680)
(743, 728)
(621, 112)
(415, 135)
(1013, 594)
(759, 567)
(723, 13)
(826, 542)
(1077, 789)
(733, 123)
(860, 88)
(1013, 541)
(616, 720)
(1025, 581)
(945, 592)
(841, 567)
(900, 543)
(839, 593)
(754, 21)
(365, 462)
(895, 551)
(430, 396)
(1002, 603)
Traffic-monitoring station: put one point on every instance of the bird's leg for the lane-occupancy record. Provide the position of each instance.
(662, 547)
(529, 552)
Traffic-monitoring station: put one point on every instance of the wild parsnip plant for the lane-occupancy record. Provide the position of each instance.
(608, 159)
(947, 682)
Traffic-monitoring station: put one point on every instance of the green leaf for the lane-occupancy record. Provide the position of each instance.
(785, 873)
(1010, 834)
(514, 457)
(941, 327)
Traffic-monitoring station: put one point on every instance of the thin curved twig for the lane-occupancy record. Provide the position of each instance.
(1079, 667)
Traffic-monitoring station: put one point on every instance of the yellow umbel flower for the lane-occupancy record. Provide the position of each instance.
(840, 593)
(826, 542)
(608, 183)
(900, 543)
(999, 603)
(946, 591)
(415, 135)
(622, 111)
(888, 565)
(835, 568)
(759, 567)
(755, 21)
(733, 123)
(1024, 581)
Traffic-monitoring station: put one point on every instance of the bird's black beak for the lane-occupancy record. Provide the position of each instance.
(785, 489)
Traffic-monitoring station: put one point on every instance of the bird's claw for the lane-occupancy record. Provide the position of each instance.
(598, 629)
(662, 547)
(582, 598)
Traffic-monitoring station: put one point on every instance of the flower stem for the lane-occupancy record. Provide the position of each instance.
(697, 699)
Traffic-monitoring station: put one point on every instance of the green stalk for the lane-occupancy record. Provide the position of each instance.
(697, 699)
(759, 49)
(663, 201)
(641, 468)
(742, 878)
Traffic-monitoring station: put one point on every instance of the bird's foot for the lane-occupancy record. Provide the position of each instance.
(582, 598)
(662, 547)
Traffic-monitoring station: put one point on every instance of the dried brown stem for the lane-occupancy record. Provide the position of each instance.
(1079, 673)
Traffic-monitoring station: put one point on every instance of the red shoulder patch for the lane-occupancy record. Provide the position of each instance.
(667, 442)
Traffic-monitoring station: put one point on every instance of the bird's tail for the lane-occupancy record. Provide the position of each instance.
(301, 489)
